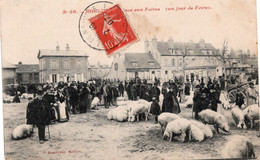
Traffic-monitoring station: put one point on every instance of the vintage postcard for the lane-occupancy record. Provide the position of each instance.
(172, 79)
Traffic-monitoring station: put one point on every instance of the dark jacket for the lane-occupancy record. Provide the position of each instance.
(155, 108)
(170, 103)
(38, 112)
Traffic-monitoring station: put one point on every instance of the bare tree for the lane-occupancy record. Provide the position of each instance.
(223, 56)
(184, 47)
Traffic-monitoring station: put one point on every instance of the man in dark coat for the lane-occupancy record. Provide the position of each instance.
(121, 89)
(155, 109)
(155, 92)
(83, 99)
(196, 101)
(213, 98)
(133, 91)
(38, 114)
(73, 99)
(170, 102)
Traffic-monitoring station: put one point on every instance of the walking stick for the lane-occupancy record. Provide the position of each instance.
(49, 131)
(192, 111)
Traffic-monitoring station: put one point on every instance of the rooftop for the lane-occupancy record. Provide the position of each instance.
(140, 60)
(22, 68)
(164, 48)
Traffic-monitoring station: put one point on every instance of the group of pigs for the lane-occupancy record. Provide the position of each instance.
(130, 111)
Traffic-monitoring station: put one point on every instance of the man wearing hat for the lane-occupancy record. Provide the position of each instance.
(251, 94)
(38, 114)
(170, 102)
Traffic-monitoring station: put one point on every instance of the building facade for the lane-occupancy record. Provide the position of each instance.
(63, 65)
(27, 73)
(199, 60)
(8, 73)
(99, 70)
(130, 65)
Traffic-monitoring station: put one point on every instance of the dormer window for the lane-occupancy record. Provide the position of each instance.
(135, 64)
(151, 63)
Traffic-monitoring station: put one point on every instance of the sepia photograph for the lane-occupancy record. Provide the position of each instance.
(119, 80)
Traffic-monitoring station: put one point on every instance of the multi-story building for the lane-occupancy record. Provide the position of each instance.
(131, 65)
(27, 73)
(199, 60)
(63, 65)
(99, 70)
(8, 73)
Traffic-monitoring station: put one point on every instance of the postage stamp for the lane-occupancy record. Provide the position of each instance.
(111, 28)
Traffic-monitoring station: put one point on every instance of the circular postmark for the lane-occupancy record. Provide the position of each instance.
(103, 26)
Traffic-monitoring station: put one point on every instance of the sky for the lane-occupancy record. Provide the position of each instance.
(27, 26)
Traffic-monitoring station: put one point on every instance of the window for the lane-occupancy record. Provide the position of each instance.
(217, 70)
(187, 61)
(31, 76)
(151, 63)
(54, 64)
(66, 64)
(153, 72)
(116, 66)
(180, 62)
(78, 64)
(166, 72)
(135, 64)
(54, 78)
(173, 62)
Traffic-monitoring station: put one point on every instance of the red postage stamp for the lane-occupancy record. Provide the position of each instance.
(113, 29)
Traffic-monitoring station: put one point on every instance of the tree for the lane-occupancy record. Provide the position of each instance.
(223, 56)
(184, 47)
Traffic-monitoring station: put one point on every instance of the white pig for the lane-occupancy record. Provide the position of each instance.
(204, 128)
(136, 110)
(165, 118)
(251, 114)
(238, 147)
(213, 118)
(94, 103)
(179, 128)
(22, 131)
(238, 117)
(196, 133)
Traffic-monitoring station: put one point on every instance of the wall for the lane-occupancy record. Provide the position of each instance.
(72, 70)
(8, 76)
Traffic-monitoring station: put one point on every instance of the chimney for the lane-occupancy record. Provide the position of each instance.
(170, 42)
(202, 43)
(57, 47)
(146, 45)
(154, 42)
(67, 47)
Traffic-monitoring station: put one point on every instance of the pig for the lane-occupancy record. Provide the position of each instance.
(146, 103)
(238, 147)
(94, 103)
(136, 110)
(204, 128)
(179, 128)
(238, 117)
(22, 131)
(251, 114)
(213, 118)
(119, 114)
(165, 118)
(196, 133)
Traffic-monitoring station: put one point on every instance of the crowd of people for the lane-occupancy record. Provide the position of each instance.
(76, 97)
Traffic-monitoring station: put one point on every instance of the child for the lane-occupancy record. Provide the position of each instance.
(155, 109)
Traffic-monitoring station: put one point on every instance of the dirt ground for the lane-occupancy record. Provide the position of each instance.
(92, 136)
